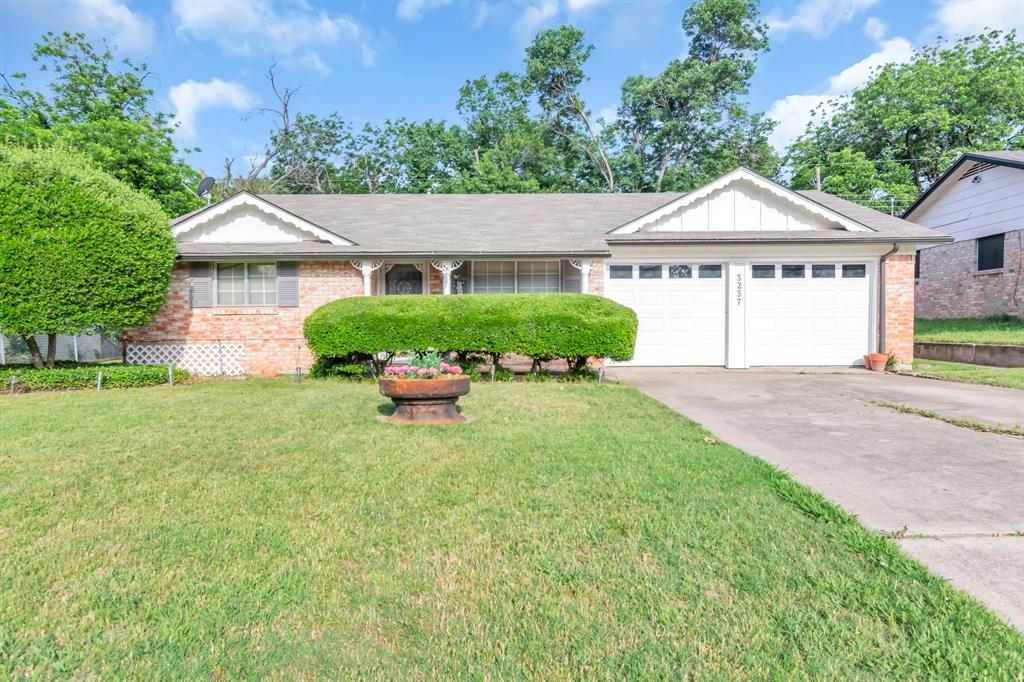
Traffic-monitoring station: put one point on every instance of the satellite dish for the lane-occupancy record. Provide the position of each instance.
(205, 185)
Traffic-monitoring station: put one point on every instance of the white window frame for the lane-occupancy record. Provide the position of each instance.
(515, 272)
(245, 284)
(558, 274)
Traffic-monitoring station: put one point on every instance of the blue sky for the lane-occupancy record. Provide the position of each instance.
(372, 60)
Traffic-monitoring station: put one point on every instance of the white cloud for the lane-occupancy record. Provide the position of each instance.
(126, 29)
(245, 26)
(875, 28)
(894, 51)
(819, 17)
(412, 10)
(190, 97)
(534, 15)
(583, 5)
(970, 17)
(792, 113)
(312, 60)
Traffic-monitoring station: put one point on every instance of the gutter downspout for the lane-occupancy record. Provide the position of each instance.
(881, 295)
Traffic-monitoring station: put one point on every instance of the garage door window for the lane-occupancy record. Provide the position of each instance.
(763, 271)
(710, 272)
(792, 272)
(854, 271)
(823, 271)
(621, 272)
(650, 272)
(680, 272)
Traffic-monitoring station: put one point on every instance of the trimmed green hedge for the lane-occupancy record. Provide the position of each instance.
(64, 378)
(541, 326)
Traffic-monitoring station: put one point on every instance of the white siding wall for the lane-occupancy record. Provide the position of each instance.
(968, 210)
(246, 224)
(741, 207)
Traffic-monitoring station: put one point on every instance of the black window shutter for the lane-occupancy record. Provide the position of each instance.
(570, 278)
(288, 284)
(200, 287)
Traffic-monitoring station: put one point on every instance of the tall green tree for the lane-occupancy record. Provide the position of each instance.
(554, 69)
(81, 250)
(103, 108)
(681, 127)
(911, 120)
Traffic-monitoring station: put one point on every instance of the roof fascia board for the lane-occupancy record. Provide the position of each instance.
(244, 198)
(741, 173)
(933, 192)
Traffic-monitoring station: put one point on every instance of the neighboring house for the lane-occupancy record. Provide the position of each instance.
(741, 272)
(980, 203)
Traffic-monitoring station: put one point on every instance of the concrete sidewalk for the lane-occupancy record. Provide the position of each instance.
(956, 494)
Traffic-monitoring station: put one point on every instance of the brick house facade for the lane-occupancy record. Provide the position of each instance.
(979, 201)
(740, 272)
(950, 284)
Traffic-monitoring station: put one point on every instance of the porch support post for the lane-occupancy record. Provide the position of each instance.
(367, 267)
(584, 268)
(447, 267)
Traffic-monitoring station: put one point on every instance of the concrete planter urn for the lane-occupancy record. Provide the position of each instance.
(425, 401)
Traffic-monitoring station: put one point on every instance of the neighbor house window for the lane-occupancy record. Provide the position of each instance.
(857, 271)
(709, 272)
(762, 271)
(792, 272)
(246, 284)
(990, 252)
(540, 276)
(494, 277)
(680, 272)
(621, 271)
(823, 271)
(650, 272)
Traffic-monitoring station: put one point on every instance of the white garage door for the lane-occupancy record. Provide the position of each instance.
(807, 314)
(680, 309)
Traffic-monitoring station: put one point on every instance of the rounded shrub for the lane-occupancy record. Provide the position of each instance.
(541, 326)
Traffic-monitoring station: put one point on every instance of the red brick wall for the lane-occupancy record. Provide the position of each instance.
(950, 285)
(272, 336)
(899, 307)
(595, 282)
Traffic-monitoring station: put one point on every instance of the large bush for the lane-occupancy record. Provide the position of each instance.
(540, 326)
(79, 250)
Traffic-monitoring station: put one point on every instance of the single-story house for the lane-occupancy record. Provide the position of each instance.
(979, 201)
(741, 272)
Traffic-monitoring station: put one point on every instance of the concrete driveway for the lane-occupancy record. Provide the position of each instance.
(957, 492)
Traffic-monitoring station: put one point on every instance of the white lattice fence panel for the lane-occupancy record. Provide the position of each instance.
(208, 359)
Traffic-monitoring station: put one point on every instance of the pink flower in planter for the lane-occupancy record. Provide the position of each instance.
(454, 369)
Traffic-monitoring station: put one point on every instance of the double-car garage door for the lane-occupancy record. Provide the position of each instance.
(792, 313)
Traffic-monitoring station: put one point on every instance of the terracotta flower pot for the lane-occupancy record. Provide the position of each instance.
(425, 401)
(877, 362)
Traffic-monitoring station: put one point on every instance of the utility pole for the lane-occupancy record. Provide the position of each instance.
(817, 178)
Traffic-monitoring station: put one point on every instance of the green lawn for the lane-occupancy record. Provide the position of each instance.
(1008, 377)
(1001, 330)
(265, 529)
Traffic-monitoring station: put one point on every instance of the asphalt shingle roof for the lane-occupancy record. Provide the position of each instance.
(518, 224)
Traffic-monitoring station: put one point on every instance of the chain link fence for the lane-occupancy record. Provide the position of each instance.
(70, 347)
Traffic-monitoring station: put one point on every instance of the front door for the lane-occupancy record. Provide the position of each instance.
(403, 278)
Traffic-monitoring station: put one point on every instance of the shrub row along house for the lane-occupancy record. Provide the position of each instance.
(979, 201)
(741, 272)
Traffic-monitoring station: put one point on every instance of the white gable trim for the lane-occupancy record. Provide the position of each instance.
(315, 232)
(746, 175)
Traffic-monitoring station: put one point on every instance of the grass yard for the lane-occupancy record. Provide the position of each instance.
(1002, 330)
(265, 529)
(1008, 377)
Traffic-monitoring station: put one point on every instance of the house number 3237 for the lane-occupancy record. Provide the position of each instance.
(739, 288)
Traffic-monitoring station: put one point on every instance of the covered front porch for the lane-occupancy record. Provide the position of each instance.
(476, 276)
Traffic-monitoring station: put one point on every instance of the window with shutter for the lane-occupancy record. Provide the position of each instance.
(288, 284)
(200, 286)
